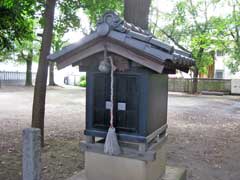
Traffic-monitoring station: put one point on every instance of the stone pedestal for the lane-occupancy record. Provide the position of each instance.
(131, 164)
(120, 168)
(172, 173)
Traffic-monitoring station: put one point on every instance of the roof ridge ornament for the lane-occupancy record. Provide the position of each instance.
(114, 21)
(111, 18)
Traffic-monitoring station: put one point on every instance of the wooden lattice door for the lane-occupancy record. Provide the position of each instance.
(126, 97)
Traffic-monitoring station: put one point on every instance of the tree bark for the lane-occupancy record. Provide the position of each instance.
(28, 81)
(212, 66)
(136, 12)
(38, 110)
(196, 71)
(195, 80)
(51, 74)
(29, 60)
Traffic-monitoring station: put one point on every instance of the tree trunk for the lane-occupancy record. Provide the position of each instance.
(51, 74)
(212, 66)
(38, 110)
(196, 71)
(136, 12)
(28, 81)
(195, 80)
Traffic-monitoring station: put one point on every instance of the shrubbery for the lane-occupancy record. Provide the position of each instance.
(83, 81)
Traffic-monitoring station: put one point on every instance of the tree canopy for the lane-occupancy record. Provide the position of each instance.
(232, 25)
(16, 21)
(192, 26)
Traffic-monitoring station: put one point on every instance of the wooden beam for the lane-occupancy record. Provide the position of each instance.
(156, 133)
(126, 151)
(161, 140)
(131, 55)
(111, 47)
(81, 54)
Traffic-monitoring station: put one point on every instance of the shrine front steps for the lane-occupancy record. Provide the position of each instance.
(171, 173)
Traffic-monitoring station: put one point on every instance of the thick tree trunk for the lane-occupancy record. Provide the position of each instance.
(195, 80)
(28, 81)
(38, 110)
(136, 12)
(51, 74)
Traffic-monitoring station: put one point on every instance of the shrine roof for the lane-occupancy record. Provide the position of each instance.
(111, 28)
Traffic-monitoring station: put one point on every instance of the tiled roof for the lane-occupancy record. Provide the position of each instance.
(111, 26)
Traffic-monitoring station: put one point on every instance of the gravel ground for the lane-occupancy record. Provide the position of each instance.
(204, 133)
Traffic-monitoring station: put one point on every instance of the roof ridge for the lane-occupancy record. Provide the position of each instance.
(112, 21)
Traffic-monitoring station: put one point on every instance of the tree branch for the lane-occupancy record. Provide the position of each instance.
(156, 22)
(232, 34)
(237, 36)
(22, 55)
(206, 15)
(174, 41)
(194, 16)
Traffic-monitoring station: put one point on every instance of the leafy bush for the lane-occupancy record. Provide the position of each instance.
(83, 83)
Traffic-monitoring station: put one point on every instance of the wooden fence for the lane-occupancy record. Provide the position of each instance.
(185, 85)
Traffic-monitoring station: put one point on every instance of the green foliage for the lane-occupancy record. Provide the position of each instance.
(18, 19)
(27, 50)
(233, 29)
(66, 20)
(15, 21)
(191, 29)
(83, 83)
(95, 8)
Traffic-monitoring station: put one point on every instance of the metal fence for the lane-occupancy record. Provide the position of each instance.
(10, 78)
(185, 85)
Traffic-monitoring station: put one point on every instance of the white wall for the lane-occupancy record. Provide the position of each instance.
(68, 71)
(220, 64)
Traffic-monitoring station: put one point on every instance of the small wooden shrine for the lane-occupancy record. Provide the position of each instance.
(140, 91)
(140, 81)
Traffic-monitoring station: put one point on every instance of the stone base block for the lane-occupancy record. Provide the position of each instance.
(122, 168)
(175, 173)
(172, 173)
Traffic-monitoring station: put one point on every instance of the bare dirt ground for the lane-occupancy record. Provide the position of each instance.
(204, 133)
